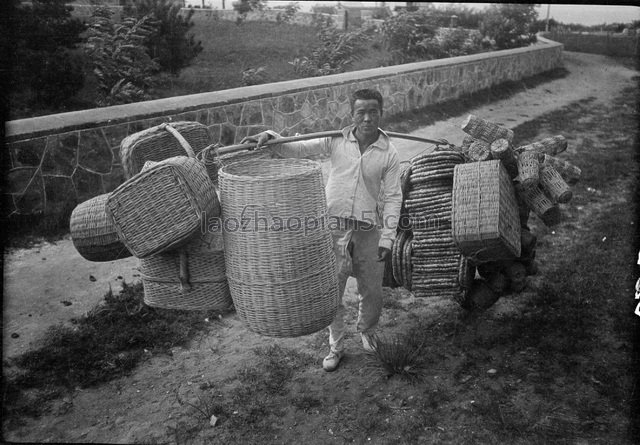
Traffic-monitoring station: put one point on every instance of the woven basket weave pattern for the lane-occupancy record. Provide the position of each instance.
(157, 144)
(161, 208)
(485, 130)
(93, 234)
(206, 269)
(282, 275)
(485, 221)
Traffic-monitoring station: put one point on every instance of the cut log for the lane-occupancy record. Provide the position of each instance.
(498, 283)
(485, 130)
(553, 184)
(517, 274)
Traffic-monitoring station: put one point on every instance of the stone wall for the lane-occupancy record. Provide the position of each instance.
(607, 44)
(57, 161)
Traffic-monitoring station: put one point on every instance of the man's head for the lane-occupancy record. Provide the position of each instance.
(366, 111)
(366, 94)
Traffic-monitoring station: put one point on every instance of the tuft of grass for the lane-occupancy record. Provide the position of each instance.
(399, 354)
(108, 342)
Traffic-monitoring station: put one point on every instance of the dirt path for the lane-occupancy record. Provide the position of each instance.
(40, 283)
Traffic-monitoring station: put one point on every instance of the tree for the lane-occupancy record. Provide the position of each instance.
(122, 66)
(510, 25)
(409, 36)
(170, 45)
(46, 66)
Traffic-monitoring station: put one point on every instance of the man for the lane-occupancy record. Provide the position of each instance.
(363, 199)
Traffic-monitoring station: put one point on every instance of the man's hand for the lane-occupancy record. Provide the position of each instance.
(259, 139)
(383, 253)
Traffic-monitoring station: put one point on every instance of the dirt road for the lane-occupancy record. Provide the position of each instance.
(52, 283)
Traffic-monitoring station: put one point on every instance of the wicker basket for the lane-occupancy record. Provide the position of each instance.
(569, 172)
(552, 146)
(191, 278)
(479, 151)
(214, 162)
(161, 208)
(279, 251)
(93, 234)
(485, 130)
(541, 205)
(162, 142)
(528, 169)
(485, 221)
(552, 183)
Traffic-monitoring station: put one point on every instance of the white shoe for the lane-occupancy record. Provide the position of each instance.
(331, 361)
(367, 342)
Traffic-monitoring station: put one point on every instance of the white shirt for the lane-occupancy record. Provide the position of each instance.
(364, 187)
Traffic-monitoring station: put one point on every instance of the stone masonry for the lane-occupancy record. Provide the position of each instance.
(61, 160)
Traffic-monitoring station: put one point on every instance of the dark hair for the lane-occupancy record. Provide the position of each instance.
(366, 94)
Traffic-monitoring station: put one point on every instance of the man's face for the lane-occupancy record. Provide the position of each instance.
(366, 117)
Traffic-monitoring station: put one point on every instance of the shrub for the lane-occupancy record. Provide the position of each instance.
(408, 36)
(169, 44)
(510, 25)
(254, 76)
(289, 13)
(122, 66)
(335, 51)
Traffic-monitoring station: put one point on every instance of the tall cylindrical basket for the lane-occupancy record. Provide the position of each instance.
(278, 248)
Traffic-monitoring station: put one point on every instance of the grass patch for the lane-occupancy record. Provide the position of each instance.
(108, 342)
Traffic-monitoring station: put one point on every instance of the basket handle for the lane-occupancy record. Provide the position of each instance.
(185, 285)
(181, 140)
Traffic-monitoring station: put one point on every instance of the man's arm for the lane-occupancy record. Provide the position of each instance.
(319, 148)
(392, 202)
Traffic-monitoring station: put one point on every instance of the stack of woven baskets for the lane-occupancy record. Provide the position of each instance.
(437, 266)
(157, 215)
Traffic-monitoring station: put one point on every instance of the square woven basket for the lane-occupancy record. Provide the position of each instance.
(160, 142)
(161, 207)
(485, 223)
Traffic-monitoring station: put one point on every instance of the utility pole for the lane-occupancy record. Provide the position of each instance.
(548, 11)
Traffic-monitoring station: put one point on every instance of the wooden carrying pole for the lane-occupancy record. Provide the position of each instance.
(322, 134)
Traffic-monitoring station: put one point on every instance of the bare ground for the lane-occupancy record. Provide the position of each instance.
(149, 405)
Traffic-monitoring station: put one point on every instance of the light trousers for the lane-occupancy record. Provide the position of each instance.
(356, 251)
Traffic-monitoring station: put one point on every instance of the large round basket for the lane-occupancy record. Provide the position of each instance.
(191, 278)
(93, 234)
(279, 257)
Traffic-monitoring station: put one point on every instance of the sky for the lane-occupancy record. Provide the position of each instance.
(585, 14)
